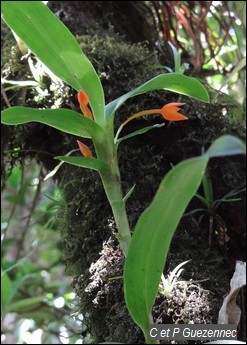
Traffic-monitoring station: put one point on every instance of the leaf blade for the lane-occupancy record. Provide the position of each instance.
(90, 163)
(149, 247)
(51, 41)
(139, 132)
(175, 82)
(145, 262)
(226, 145)
(6, 286)
(65, 120)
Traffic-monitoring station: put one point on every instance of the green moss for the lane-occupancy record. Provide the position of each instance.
(120, 65)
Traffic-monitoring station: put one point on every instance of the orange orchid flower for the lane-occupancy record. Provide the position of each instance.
(85, 150)
(169, 112)
(83, 101)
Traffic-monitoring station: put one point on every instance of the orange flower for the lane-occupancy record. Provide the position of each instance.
(85, 150)
(83, 101)
(169, 112)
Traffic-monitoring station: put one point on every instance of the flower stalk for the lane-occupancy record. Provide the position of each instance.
(169, 112)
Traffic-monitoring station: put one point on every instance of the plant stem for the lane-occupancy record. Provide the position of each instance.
(113, 191)
(146, 333)
(107, 151)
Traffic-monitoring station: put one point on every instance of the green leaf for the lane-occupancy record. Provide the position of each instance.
(57, 167)
(55, 285)
(65, 120)
(194, 212)
(56, 47)
(13, 287)
(152, 237)
(139, 132)
(233, 192)
(208, 188)
(177, 57)
(217, 203)
(43, 314)
(90, 163)
(203, 200)
(156, 226)
(5, 291)
(175, 82)
(26, 304)
(226, 145)
(129, 193)
(15, 177)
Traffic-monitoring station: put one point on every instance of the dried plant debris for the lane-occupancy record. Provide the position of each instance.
(230, 313)
(106, 270)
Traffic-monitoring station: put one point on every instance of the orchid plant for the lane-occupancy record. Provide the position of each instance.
(145, 251)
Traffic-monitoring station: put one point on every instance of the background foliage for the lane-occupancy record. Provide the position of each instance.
(211, 36)
(38, 303)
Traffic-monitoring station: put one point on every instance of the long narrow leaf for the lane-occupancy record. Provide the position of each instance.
(139, 132)
(6, 285)
(203, 200)
(152, 237)
(217, 203)
(234, 192)
(56, 47)
(190, 213)
(175, 82)
(57, 167)
(90, 163)
(65, 120)
(208, 188)
(156, 226)
(226, 145)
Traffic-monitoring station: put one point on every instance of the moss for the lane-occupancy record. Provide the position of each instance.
(111, 55)
(11, 63)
